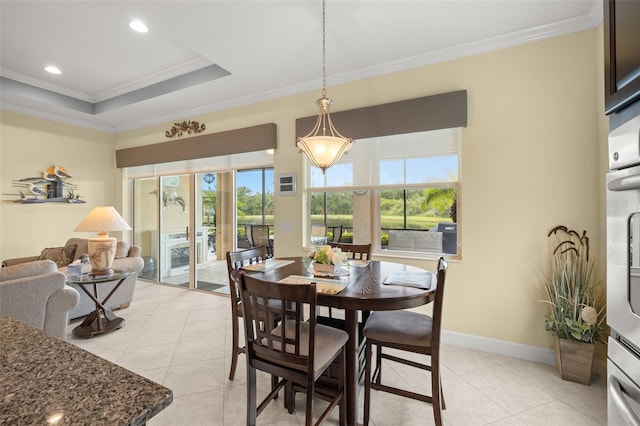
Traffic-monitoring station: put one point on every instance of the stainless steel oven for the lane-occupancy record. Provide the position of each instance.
(623, 274)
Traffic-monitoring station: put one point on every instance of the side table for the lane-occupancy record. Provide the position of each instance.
(102, 319)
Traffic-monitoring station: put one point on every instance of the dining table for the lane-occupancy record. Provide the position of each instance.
(360, 286)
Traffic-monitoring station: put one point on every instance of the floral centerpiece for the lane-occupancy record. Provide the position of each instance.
(326, 259)
(574, 297)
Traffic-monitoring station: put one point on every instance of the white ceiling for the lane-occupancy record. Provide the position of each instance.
(271, 48)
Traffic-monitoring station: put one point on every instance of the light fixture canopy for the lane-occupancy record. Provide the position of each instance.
(324, 145)
(102, 249)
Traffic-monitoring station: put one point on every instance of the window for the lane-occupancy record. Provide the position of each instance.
(398, 192)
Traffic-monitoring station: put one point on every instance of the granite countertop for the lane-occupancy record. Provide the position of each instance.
(43, 378)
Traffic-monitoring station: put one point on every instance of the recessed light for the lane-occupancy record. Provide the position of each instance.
(138, 26)
(52, 69)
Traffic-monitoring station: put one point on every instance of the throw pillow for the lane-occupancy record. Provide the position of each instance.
(122, 250)
(61, 255)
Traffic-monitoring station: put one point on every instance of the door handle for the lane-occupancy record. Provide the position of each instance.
(616, 392)
(187, 232)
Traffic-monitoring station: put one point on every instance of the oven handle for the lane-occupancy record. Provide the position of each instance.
(616, 392)
(624, 183)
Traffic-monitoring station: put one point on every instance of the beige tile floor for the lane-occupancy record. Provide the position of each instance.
(181, 339)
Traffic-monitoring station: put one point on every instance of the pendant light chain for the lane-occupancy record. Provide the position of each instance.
(324, 50)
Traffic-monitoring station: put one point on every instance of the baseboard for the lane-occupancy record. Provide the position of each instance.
(500, 347)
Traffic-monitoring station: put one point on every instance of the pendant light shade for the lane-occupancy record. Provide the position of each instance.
(324, 145)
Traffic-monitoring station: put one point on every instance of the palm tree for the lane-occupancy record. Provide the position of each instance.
(441, 199)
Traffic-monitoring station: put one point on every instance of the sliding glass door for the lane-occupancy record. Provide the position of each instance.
(146, 219)
(254, 202)
(184, 222)
(176, 223)
(176, 236)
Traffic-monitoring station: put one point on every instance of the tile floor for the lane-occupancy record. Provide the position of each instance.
(181, 339)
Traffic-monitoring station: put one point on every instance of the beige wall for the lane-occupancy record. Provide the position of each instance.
(532, 159)
(29, 146)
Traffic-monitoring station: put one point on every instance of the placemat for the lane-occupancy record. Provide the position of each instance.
(410, 279)
(267, 265)
(322, 285)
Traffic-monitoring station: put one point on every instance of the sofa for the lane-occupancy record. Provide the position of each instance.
(413, 240)
(127, 257)
(36, 293)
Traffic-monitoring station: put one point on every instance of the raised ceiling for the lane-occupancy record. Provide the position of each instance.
(205, 56)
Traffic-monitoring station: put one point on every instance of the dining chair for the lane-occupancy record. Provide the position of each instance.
(356, 251)
(247, 232)
(318, 233)
(411, 332)
(297, 351)
(336, 234)
(260, 237)
(235, 261)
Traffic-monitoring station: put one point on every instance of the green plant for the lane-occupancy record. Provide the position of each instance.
(444, 200)
(575, 299)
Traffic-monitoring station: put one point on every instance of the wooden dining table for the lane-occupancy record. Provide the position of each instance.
(365, 291)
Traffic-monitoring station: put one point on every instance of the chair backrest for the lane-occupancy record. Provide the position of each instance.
(337, 233)
(260, 235)
(357, 251)
(265, 303)
(318, 233)
(438, 301)
(238, 259)
(247, 231)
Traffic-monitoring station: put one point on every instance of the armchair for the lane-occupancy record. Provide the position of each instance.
(35, 293)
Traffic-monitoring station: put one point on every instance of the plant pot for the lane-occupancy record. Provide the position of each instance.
(323, 269)
(574, 360)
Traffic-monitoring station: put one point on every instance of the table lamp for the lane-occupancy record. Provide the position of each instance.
(102, 249)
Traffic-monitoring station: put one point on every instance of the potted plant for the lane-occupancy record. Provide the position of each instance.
(576, 304)
(326, 259)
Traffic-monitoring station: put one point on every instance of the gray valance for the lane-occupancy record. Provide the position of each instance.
(236, 141)
(441, 111)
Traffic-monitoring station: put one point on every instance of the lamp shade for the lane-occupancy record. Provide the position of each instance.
(324, 151)
(103, 220)
(102, 249)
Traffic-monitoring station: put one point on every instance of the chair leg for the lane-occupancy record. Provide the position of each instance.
(367, 382)
(289, 398)
(436, 392)
(379, 363)
(342, 413)
(251, 396)
(309, 406)
(234, 350)
(274, 383)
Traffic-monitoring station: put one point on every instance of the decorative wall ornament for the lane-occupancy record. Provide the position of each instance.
(186, 126)
(50, 186)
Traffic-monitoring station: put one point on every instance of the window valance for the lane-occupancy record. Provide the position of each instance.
(236, 141)
(443, 111)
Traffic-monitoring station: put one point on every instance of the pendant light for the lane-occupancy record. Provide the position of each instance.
(324, 145)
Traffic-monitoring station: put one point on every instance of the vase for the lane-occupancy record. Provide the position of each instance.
(574, 360)
(323, 268)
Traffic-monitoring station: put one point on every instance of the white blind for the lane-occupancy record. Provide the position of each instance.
(413, 158)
